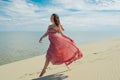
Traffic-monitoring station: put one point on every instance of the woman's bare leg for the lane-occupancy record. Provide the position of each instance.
(45, 67)
(67, 66)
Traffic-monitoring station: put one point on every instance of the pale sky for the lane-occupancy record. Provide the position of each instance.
(34, 15)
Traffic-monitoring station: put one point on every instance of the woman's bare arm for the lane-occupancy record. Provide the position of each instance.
(46, 33)
(60, 30)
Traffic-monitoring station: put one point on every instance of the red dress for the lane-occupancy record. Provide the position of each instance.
(61, 49)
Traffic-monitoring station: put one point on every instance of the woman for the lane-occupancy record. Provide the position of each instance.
(62, 49)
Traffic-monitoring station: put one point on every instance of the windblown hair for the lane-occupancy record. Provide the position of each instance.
(57, 21)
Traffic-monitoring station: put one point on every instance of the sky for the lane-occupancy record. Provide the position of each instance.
(34, 15)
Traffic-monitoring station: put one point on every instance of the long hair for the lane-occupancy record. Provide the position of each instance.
(57, 21)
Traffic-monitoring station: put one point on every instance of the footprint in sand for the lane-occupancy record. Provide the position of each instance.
(95, 53)
(38, 72)
(28, 74)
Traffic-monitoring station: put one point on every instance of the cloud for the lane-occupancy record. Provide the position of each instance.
(20, 13)
(92, 20)
(89, 4)
(19, 8)
(81, 14)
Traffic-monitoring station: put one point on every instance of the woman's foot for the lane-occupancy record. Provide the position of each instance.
(43, 72)
(68, 68)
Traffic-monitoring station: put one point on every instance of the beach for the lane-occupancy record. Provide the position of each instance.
(101, 61)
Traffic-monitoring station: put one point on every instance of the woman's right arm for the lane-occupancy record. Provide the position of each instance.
(44, 35)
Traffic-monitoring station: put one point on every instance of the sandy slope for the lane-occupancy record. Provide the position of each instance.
(101, 61)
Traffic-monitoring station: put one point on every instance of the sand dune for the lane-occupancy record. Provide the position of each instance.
(101, 61)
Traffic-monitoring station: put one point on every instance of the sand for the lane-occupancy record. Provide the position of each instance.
(101, 61)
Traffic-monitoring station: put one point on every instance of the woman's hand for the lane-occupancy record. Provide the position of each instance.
(70, 39)
(43, 37)
(40, 40)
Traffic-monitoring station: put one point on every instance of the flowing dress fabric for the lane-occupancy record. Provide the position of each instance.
(61, 50)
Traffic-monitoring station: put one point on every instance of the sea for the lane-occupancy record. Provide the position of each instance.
(19, 45)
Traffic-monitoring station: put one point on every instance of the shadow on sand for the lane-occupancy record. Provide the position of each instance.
(57, 76)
